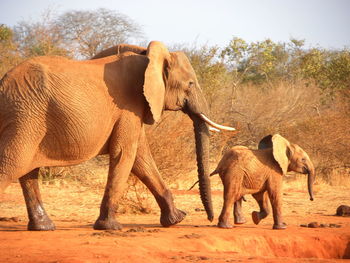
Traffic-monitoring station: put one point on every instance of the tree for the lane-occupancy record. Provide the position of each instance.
(89, 32)
(9, 56)
(334, 75)
(6, 33)
(237, 58)
(211, 73)
(39, 38)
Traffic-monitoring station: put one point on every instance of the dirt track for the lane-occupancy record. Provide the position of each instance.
(74, 209)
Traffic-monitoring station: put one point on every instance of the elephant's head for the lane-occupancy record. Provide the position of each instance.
(290, 157)
(171, 84)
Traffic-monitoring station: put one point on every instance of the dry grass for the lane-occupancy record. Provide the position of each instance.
(295, 111)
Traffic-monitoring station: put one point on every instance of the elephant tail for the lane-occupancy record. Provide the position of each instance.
(213, 173)
(216, 171)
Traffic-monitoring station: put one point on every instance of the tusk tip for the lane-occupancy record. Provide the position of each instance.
(213, 129)
(215, 125)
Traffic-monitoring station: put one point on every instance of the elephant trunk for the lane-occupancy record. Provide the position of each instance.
(201, 132)
(310, 180)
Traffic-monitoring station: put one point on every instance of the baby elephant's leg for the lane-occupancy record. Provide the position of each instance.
(263, 201)
(231, 195)
(237, 213)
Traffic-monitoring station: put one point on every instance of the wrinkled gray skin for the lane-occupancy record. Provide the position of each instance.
(259, 172)
(58, 112)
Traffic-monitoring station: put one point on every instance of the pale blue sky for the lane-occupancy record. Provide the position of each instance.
(324, 23)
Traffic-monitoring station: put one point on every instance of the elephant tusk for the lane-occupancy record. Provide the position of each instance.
(213, 129)
(215, 125)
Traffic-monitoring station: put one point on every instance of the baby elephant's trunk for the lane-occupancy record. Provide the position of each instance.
(310, 181)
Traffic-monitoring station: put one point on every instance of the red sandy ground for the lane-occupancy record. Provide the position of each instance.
(74, 208)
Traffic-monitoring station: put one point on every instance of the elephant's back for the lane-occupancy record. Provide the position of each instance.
(57, 101)
(24, 82)
(240, 157)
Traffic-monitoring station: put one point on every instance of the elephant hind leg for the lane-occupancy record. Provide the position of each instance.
(231, 195)
(146, 170)
(38, 219)
(263, 201)
(16, 156)
(5, 181)
(11, 168)
(237, 213)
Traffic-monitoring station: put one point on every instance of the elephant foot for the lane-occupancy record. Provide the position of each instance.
(168, 219)
(107, 224)
(239, 220)
(279, 226)
(41, 225)
(224, 225)
(256, 217)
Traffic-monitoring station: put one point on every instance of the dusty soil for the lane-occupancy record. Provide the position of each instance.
(74, 209)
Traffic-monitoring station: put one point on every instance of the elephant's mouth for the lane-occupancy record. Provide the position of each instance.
(306, 170)
(213, 126)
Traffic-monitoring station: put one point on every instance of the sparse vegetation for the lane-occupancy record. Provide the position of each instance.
(260, 87)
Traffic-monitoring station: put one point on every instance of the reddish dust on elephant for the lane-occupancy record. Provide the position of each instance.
(260, 173)
(57, 112)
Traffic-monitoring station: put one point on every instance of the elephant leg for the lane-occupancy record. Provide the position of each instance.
(14, 160)
(275, 195)
(5, 181)
(262, 199)
(231, 195)
(146, 170)
(237, 213)
(122, 152)
(38, 219)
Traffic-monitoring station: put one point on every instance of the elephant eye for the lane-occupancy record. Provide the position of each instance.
(191, 84)
(303, 160)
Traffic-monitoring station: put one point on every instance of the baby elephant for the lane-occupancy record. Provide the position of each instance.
(259, 172)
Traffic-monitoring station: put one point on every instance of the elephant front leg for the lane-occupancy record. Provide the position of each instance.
(146, 170)
(275, 195)
(237, 213)
(262, 199)
(38, 219)
(122, 154)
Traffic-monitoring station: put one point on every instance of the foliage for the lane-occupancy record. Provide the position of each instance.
(6, 34)
(89, 32)
(79, 34)
(334, 74)
(9, 56)
(211, 73)
(259, 87)
(39, 38)
(256, 61)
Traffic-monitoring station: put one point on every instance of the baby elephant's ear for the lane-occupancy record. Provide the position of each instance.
(265, 142)
(281, 151)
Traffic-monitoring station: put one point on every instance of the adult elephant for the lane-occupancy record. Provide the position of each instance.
(57, 112)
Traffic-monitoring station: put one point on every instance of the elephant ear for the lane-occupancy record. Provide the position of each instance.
(154, 84)
(281, 152)
(265, 142)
